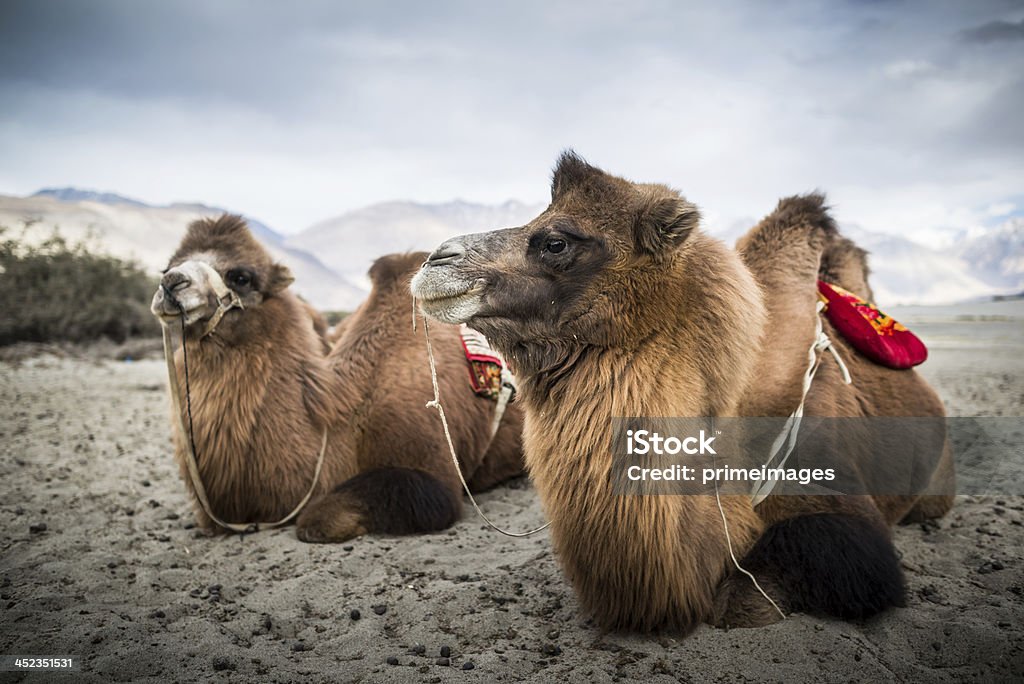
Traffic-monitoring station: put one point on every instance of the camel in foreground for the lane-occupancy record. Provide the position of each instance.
(613, 303)
(264, 393)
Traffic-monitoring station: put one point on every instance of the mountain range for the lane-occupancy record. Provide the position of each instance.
(330, 258)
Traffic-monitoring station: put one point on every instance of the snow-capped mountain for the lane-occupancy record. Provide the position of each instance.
(997, 256)
(149, 235)
(907, 272)
(903, 271)
(349, 243)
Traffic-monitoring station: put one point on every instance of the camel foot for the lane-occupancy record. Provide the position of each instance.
(928, 507)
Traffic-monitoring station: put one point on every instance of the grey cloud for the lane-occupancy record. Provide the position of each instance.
(365, 101)
(994, 31)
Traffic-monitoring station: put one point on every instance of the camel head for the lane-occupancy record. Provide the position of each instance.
(572, 276)
(218, 261)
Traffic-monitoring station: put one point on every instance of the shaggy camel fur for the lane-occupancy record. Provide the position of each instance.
(263, 391)
(613, 303)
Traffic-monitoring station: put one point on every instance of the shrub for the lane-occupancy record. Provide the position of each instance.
(61, 291)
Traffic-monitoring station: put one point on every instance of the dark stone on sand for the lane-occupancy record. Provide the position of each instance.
(220, 663)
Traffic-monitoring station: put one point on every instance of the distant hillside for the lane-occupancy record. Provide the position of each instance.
(906, 272)
(134, 230)
(998, 255)
(349, 243)
(903, 272)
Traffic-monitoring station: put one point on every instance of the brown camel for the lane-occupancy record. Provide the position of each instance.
(613, 303)
(263, 392)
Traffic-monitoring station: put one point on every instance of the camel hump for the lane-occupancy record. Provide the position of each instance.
(801, 239)
(845, 264)
(396, 269)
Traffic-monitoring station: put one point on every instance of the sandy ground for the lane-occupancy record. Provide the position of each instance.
(99, 559)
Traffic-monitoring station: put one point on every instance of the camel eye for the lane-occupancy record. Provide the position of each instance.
(239, 278)
(554, 246)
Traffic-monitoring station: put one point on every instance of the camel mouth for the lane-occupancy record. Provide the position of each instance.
(448, 299)
(168, 313)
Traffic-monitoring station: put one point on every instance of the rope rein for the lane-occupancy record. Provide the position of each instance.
(787, 437)
(436, 404)
(191, 461)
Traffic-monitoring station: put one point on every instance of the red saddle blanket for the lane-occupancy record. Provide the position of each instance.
(485, 364)
(877, 336)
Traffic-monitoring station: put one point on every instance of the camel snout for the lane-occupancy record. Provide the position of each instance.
(174, 280)
(448, 252)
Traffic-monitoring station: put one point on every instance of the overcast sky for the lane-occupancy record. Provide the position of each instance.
(909, 114)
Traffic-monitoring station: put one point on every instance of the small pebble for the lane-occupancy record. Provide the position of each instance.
(300, 646)
(380, 609)
(346, 548)
(419, 649)
(446, 651)
(392, 660)
(355, 614)
(220, 663)
(443, 661)
(468, 665)
(37, 528)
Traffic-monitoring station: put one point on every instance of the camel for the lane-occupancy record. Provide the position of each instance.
(614, 303)
(264, 393)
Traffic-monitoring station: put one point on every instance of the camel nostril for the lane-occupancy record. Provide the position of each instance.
(447, 252)
(173, 281)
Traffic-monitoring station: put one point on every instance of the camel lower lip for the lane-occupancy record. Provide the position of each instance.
(445, 297)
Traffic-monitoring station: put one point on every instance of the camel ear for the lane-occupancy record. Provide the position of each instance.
(664, 223)
(570, 170)
(280, 278)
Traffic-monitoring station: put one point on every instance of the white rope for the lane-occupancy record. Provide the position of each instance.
(732, 554)
(436, 403)
(791, 429)
(787, 437)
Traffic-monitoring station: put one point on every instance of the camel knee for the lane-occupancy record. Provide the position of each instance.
(384, 501)
(828, 563)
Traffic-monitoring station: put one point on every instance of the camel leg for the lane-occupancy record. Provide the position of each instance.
(939, 498)
(385, 501)
(836, 564)
(503, 460)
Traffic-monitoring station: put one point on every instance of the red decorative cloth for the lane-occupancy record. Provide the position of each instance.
(874, 334)
(485, 364)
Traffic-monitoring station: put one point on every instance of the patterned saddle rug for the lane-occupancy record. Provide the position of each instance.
(877, 336)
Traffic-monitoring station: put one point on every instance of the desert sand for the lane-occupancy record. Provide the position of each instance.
(99, 559)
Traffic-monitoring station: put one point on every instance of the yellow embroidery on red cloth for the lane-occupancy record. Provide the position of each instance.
(882, 323)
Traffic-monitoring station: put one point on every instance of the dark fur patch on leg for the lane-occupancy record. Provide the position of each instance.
(401, 501)
(830, 563)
